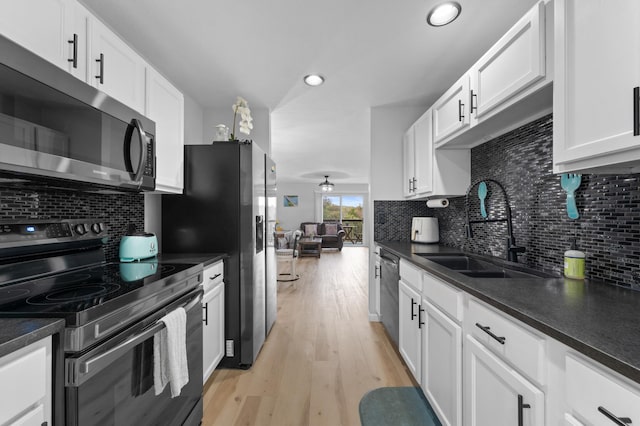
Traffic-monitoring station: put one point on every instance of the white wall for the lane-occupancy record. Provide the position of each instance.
(388, 125)
(261, 133)
(193, 122)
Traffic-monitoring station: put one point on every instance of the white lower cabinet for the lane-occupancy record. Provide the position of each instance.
(25, 385)
(495, 394)
(442, 365)
(569, 420)
(597, 398)
(479, 366)
(212, 318)
(410, 323)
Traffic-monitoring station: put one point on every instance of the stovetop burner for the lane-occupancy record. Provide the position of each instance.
(95, 288)
(73, 294)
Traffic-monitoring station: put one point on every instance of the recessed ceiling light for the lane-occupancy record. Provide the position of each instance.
(314, 79)
(444, 13)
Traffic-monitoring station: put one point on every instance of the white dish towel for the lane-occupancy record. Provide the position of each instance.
(170, 353)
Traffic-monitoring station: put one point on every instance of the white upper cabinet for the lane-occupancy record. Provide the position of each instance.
(507, 87)
(596, 113)
(115, 68)
(451, 111)
(165, 106)
(423, 154)
(408, 158)
(55, 30)
(515, 62)
(418, 157)
(430, 173)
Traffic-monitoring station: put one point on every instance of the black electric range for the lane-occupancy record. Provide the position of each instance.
(57, 269)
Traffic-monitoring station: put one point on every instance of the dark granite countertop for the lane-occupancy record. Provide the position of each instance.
(16, 333)
(205, 258)
(594, 318)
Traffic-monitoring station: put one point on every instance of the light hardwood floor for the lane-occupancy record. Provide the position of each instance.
(320, 358)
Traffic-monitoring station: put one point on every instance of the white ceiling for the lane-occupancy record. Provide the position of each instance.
(372, 53)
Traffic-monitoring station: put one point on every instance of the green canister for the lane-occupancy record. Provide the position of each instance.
(574, 263)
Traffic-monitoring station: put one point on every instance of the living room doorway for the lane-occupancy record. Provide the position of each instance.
(348, 209)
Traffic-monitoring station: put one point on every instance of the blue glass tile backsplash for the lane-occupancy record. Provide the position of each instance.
(608, 229)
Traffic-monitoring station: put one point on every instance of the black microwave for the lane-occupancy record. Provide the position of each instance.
(58, 130)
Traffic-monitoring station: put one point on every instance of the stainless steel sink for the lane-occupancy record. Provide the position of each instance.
(459, 262)
(480, 268)
(498, 274)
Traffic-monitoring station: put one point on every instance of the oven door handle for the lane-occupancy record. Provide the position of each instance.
(78, 371)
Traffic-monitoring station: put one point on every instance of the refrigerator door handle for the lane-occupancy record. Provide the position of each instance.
(259, 233)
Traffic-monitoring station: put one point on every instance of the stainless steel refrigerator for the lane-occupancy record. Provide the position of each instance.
(228, 206)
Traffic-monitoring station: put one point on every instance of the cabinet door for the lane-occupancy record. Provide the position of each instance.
(36, 416)
(45, 27)
(165, 106)
(31, 368)
(408, 156)
(597, 68)
(495, 394)
(375, 303)
(423, 149)
(212, 330)
(514, 63)
(115, 68)
(597, 397)
(410, 317)
(569, 420)
(442, 365)
(450, 112)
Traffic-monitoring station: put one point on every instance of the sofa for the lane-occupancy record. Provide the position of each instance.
(325, 230)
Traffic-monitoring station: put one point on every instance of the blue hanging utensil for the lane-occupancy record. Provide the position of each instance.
(482, 194)
(570, 182)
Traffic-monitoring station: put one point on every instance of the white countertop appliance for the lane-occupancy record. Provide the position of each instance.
(425, 230)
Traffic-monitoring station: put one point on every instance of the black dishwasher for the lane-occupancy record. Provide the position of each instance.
(389, 277)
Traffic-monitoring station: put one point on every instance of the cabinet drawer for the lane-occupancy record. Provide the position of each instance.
(411, 275)
(212, 275)
(520, 347)
(443, 295)
(26, 367)
(591, 392)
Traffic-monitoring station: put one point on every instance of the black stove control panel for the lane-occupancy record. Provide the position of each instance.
(28, 232)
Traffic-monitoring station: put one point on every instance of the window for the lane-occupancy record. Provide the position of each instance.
(347, 209)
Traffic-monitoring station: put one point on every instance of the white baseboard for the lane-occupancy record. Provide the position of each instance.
(373, 317)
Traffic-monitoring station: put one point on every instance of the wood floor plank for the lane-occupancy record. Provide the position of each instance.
(320, 358)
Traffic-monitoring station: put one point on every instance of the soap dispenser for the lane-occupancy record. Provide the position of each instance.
(574, 262)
